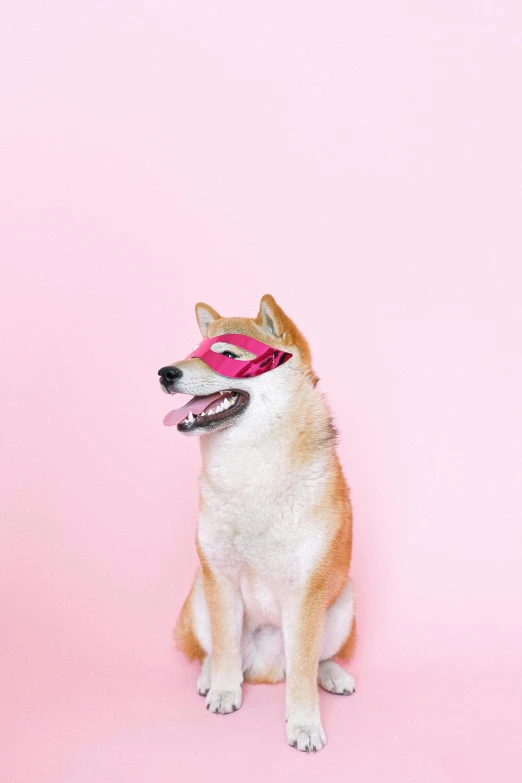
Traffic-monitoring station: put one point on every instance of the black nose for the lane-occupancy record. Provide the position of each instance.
(170, 374)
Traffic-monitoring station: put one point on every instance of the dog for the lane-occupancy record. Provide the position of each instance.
(272, 599)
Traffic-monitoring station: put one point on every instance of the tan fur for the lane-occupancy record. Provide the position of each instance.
(226, 656)
(333, 570)
(269, 677)
(184, 635)
(301, 677)
(324, 586)
(219, 620)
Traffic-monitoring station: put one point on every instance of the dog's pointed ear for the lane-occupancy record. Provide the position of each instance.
(272, 318)
(205, 315)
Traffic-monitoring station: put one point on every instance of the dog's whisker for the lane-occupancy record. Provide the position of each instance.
(305, 376)
(268, 407)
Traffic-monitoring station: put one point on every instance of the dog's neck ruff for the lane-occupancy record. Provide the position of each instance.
(266, 356)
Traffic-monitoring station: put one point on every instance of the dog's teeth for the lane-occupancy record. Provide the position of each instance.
(211, 411)
(226, 404)
(190, 418)
(202, 413)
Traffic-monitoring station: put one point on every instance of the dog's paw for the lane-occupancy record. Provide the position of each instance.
(224, 702)
(203, 684)
(308, 737)
(334, 679)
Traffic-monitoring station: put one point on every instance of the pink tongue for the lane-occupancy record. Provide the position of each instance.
(196, 405)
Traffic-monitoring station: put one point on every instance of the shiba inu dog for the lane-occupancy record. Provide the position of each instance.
(272, 599)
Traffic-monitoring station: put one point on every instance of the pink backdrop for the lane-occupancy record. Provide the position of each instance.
(361, 162)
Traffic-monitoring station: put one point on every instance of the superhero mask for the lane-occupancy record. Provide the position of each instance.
(202, 411)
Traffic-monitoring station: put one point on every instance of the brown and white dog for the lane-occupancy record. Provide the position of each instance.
(272, 599)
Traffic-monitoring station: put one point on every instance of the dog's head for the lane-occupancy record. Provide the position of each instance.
(270, 347)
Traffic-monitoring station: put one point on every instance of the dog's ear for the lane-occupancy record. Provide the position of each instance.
(272, 318)
(205, 315)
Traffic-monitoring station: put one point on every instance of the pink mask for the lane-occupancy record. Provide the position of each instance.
(266, 357)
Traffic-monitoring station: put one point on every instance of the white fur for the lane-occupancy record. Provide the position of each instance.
(334, 679)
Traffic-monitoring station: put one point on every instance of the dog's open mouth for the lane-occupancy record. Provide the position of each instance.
(202, 412)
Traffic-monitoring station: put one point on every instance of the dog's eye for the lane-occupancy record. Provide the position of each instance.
(227, 349)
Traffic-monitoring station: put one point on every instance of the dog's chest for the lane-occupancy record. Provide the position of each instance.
(238, 539)
(257, 521)
(263, 534)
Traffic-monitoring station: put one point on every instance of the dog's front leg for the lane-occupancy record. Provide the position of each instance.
(225, 607)
(303, 617)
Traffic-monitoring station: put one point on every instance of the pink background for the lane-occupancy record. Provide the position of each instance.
(361, 162)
